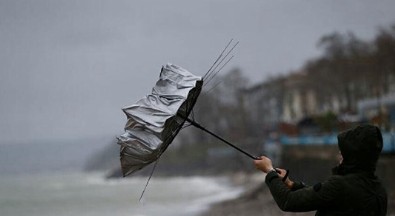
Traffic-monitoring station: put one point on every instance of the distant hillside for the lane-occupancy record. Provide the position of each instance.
(105, 159)
(48, 156)
(183, 160)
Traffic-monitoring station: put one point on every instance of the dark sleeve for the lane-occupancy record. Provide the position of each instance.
(298, 185)
(308, 198)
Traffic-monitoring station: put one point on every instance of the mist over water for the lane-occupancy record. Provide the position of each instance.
(49, 156)
(74, 193)
(46, 178)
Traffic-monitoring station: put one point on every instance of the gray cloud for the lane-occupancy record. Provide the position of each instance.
(67, 67)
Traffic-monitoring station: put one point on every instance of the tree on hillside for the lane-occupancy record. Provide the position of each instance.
(384, 58)
(343, 71)
(220, 109)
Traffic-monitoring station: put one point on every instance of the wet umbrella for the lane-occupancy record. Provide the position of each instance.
(155, 120)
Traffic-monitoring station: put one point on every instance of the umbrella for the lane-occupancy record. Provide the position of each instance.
(155, 120)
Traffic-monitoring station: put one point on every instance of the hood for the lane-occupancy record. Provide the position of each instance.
(360, 148)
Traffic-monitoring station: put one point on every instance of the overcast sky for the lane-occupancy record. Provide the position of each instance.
(68, 67)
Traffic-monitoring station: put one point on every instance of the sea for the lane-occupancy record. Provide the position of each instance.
(91, 194)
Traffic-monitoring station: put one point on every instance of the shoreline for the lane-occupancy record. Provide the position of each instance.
(255, 200)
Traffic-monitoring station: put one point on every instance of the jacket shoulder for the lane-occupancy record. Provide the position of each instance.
(335, 181)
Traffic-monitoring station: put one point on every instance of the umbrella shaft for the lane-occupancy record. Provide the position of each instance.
(220, 138)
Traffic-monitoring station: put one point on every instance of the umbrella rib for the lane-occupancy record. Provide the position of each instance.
(214, 86)
(220, 69)
(149, 178)
(211, 75)
(215, 62)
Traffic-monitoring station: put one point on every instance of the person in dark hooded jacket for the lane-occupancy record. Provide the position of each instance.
(353, 189)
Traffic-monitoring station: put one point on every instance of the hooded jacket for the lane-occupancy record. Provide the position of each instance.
(353, 189)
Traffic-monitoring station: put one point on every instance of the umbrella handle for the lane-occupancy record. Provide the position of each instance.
(223, 140)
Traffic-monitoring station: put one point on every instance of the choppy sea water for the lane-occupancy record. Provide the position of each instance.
(90, 194)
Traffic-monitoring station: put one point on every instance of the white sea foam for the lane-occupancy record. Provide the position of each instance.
(91, 194)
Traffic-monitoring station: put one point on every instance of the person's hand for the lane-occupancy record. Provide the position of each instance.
(281, 174)
(264, 164)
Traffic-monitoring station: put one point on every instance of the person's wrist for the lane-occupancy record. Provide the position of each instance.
(271, 170)
(289, 183)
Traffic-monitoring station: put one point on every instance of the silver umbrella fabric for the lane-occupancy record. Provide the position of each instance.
(154, 121)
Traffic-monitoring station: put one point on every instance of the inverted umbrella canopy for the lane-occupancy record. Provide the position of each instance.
(155, 120)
